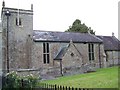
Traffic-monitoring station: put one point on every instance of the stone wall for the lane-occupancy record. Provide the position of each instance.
(72, 60)
(79, 63)
(102, 57)
(19, 38)
(112, 58)
(37, 59)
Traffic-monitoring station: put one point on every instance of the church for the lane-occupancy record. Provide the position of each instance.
(51, 54)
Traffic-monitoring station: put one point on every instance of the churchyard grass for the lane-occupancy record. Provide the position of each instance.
(102, 78)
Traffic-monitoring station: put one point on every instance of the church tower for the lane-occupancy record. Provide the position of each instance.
(17, 30)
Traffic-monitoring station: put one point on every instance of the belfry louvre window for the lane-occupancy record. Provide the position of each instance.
(18, 22)
(91, 51)
(46, 58)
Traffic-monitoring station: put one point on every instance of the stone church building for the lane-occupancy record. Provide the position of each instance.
(48, 53)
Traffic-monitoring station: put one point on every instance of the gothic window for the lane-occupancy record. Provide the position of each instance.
(91, 51)
(46, 58)
(18, 22)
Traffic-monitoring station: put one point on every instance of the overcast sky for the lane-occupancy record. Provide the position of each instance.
(58, 15)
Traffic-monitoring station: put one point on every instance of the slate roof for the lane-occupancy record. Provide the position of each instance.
(110, 42)
(64, 37)
(61, 53)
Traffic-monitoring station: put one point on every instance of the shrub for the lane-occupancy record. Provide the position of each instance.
(29, 81)
(13, 80)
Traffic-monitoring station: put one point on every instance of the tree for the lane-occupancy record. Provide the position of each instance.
(77, 26)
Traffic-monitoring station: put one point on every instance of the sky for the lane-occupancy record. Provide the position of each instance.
(58, 15)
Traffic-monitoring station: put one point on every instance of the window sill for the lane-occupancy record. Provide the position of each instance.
(19, 25)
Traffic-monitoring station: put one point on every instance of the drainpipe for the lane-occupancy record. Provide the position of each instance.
(99, 57)
(112, 58)
(7, 13)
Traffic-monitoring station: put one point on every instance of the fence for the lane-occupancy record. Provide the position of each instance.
(44, 86)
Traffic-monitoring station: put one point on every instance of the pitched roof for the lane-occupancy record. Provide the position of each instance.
(64, 37)
(110, 42)
(63, 50)
(61, 53)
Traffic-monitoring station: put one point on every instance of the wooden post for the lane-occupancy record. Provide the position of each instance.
(63, 88)
(55, 87)
(22, 83)
(61, 67)
(72, 88)
(69, 88)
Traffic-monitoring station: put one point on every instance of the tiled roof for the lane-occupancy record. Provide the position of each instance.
(64, 37)
(110, 42)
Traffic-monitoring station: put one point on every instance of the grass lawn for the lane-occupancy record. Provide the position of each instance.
(102, 78)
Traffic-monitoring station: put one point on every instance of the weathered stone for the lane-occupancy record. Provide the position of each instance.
(26, 56)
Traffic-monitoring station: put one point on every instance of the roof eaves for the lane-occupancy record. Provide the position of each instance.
(35, 40)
